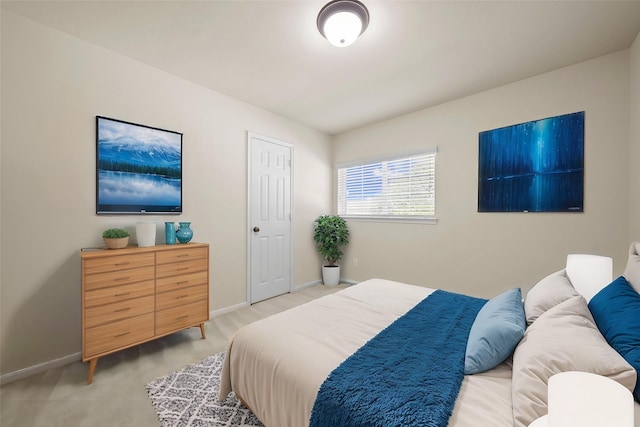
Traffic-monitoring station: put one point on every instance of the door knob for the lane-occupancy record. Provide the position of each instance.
(256, 229)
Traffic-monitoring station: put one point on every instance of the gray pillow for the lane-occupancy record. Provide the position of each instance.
(632, 272)
(547, 293)
(564, 338)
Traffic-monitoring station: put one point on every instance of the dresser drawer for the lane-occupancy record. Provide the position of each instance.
(166, 257)
(117, 278)
(180, 281)
(101, 314)
(180, 268)
(117, 263)
(116, 335)
(177, 318)
(181, 297)
(118, 293)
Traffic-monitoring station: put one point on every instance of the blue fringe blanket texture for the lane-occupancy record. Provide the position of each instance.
(407, 375)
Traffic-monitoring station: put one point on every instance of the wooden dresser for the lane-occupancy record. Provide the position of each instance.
(136, 294)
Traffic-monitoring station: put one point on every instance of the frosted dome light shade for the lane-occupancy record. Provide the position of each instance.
(342, 21)
(342, 28)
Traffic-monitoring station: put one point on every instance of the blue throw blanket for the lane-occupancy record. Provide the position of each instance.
(407, 375)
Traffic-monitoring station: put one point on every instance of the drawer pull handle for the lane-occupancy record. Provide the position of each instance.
(120, 279)
(182, 282)
(183, 256)
(122, 263)
(182, 296)
(123, 294)
(121, 335)
(182, 317)
(123, 309)
(183, 268)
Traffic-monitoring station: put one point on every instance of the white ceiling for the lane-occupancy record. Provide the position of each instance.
(414, 54)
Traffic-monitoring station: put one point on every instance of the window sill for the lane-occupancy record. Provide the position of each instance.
(404, 220)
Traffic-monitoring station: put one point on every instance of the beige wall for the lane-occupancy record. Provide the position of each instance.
(53, 86)
(634, 147)
(485, 253)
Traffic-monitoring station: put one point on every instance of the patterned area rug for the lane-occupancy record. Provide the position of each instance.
(189, 398)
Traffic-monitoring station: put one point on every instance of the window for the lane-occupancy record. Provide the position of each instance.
(401, 188)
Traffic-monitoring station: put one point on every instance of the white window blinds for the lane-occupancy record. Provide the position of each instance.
(401, 188)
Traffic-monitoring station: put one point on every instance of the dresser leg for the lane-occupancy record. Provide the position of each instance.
(202, 331)
(92, 369)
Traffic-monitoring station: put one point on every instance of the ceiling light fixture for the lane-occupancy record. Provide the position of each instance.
(342, 21)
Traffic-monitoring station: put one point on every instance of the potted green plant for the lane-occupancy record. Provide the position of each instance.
(115, 238)
(330, 234)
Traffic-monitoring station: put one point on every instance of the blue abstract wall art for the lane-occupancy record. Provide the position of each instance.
(536, 166)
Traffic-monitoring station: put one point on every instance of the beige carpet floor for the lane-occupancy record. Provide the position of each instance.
(117, 397)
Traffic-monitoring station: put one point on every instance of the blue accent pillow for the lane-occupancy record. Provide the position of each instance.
(616, 310)
(498, 328)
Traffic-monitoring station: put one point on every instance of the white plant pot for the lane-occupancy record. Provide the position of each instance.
(146, 233)
(330, 275)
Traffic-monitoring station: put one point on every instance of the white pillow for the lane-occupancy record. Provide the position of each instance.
(589, 273)
(565, 338)
(547, 293)
(632, 272)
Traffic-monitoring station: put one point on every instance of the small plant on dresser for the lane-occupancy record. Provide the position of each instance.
(115, 238)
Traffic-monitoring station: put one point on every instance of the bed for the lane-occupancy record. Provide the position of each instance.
(280, 366)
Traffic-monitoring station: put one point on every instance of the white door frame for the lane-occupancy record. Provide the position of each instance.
(251, 135)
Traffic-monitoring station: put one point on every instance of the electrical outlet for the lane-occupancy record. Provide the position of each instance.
(356, 262)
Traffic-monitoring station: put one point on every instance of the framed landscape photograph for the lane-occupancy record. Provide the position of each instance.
(536, 166)
(138, 169)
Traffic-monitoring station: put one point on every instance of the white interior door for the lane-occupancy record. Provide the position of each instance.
(270, 165)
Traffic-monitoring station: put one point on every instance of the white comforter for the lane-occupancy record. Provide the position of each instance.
(277, 365)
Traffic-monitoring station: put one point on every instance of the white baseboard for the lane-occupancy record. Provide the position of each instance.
(319, 282)
(306, 285)
(39, 368)
(229, 309)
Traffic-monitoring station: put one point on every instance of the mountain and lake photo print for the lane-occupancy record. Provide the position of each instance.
(139, 168)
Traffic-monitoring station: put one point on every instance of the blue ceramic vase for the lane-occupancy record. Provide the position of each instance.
(184, 233)
(170, 233)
